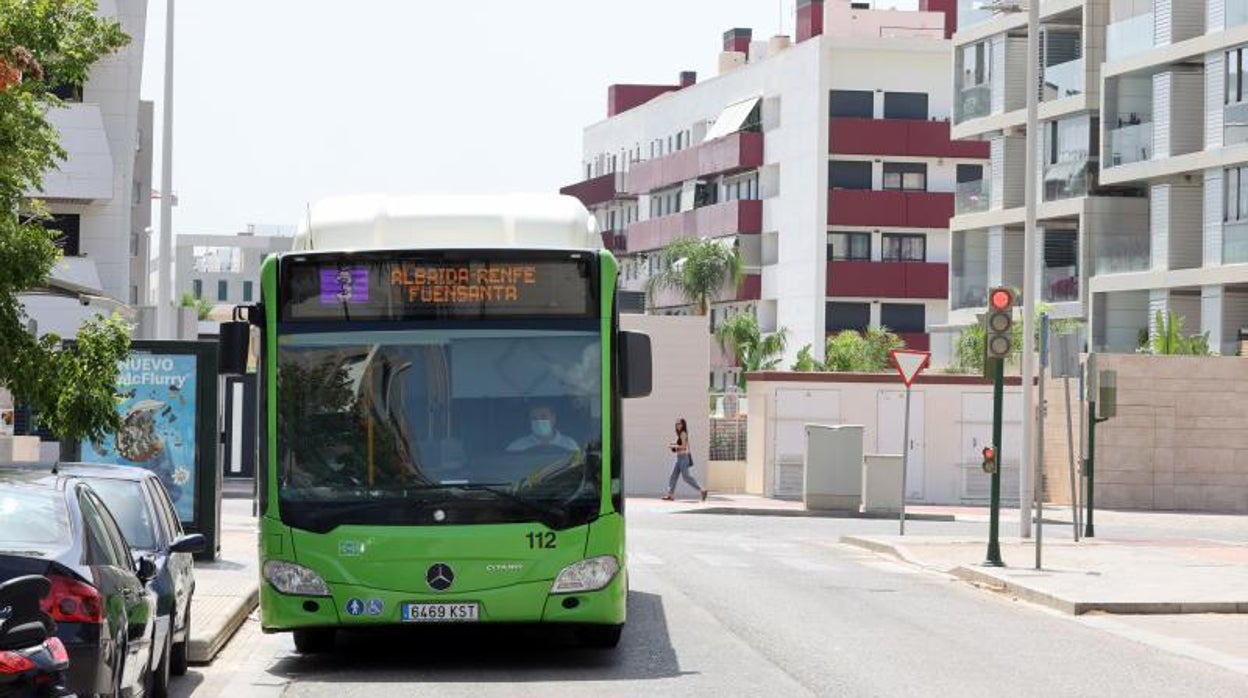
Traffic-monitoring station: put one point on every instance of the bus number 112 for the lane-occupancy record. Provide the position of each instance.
(540, 539)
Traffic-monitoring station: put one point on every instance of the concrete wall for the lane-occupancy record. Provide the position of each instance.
(946, 455)
(1180, 440)
(681, 347)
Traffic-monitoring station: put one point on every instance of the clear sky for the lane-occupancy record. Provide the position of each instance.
(281, 102)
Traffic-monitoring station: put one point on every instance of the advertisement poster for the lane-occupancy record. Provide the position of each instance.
(158, 424)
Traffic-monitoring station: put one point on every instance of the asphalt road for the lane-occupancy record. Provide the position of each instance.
(746, 606)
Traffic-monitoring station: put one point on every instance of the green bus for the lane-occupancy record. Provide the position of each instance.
(441, 382)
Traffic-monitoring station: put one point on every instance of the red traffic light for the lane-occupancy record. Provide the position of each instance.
(990, 455)
(1001, 299)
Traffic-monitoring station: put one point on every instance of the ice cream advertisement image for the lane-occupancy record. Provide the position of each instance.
(158, 424)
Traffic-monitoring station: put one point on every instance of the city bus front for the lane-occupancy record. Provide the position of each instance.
(442, 441)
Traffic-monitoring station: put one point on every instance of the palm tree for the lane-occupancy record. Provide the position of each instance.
(753, 350)
(698, 269)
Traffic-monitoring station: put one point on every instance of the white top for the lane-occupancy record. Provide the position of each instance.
(378, 222)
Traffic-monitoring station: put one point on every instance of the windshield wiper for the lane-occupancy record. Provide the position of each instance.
(551, 517)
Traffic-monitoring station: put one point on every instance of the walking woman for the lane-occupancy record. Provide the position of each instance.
(684, 461)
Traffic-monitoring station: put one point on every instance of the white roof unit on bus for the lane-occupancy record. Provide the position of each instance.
(378, 222)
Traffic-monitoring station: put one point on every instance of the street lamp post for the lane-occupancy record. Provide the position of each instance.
(166, 327)
(1030, 287)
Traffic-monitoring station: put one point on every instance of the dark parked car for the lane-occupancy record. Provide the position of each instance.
(143, 509)
(58, 527)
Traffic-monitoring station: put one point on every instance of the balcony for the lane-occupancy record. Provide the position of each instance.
(972, 197)
(888, 279)
(599, 190)
(1118, 252)
(738, 151)
(1128, 37)
(1131, 143)
(973, 103)
(1068, 178)
(86, 173)
(1235, 242)
(1061, 284)
(904, 137)
(916, 341)
(1235, 123)
(718, 220)
(751, 288)
(902, 209)
(614, 240)
(1236, 13)
(1063, 80)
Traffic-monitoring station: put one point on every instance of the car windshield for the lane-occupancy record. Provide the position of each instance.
(438, 415)
(124, 499)
(31, 516)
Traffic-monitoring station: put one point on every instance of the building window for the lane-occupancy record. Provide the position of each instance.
(1236, 194)
(970, 173)
(849, 247)
(197, 288)
(67, 229)
(906, 176)
(246, 291)
(1234, 76)
(839, 317)
(1061, 266)
(223, 290)
(849, 174)
(851, 104)
(905, 105)
(904, 248)
(903, 317)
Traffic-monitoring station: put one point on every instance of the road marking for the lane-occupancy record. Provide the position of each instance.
(803, 564)
(721, 560)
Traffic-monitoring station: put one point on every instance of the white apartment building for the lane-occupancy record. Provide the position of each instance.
(826, 161)
(225, 269)
(1089, 225)
(100, 195)
(1175, 121)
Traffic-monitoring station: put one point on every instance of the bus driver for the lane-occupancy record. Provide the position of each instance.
(542, 432)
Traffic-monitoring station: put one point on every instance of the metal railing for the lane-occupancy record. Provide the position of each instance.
(728, 438)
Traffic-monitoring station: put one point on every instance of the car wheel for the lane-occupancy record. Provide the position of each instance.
(314, 640)
(603, 637)
(177, 655)
(158, 678)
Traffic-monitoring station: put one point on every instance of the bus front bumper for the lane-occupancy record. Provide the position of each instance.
(358, 606)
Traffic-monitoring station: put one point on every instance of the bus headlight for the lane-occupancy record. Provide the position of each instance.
(289, 578)
(586, 575)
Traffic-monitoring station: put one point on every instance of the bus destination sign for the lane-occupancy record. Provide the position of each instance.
(324, 288)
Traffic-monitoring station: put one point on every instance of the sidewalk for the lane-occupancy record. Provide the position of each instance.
(226, 590)
(1138, 563)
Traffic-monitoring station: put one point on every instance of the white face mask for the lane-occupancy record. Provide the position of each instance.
(542, 428)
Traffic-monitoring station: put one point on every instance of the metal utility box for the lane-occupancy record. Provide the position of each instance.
(833, 467)
(881, 483)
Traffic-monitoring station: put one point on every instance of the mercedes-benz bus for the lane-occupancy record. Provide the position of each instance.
(441, 384)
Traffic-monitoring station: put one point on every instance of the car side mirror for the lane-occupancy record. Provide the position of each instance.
(636, 369)
(146, 569)
(189, 543)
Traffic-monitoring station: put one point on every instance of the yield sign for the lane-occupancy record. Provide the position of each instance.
(910, 363)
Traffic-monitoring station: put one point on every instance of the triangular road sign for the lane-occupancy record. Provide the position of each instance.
(910, 363)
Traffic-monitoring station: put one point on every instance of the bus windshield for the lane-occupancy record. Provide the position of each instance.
(455, 422)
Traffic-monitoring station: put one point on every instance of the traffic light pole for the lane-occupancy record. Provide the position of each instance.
(994, 517)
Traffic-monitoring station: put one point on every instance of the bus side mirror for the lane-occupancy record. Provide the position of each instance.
(234, 343)
(636, 369)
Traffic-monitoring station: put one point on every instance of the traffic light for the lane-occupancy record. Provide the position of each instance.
(990, 459)
(999, 324)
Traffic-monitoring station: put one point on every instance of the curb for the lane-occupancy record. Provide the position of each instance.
(203, 647)
(817, 514)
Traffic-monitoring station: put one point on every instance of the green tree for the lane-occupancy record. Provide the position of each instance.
(697, 269)
(806, 362)
(1168, 340)
(865, 352)
(73, 392)
(202, 306)
(754, 351)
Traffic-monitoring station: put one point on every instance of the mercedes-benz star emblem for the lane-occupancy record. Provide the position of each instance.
(440, 577)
